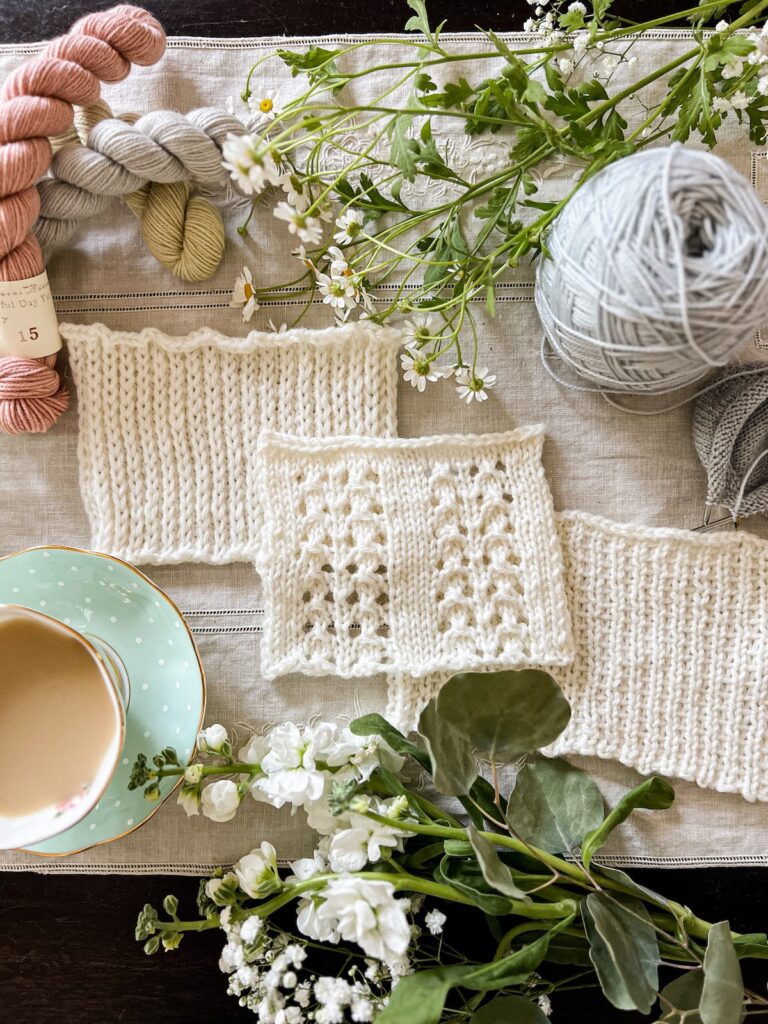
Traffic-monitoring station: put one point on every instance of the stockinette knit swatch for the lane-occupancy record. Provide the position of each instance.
(671, 641)
(168, 427)
(420, 555)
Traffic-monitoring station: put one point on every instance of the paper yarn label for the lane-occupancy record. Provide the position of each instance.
(28, 324)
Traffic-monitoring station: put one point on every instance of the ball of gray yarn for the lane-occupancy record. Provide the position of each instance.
(730, 432)
(659, 272)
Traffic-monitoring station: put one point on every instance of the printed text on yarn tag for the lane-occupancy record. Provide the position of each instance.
(28, 325)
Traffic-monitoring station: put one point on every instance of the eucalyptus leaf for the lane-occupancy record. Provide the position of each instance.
(509, 1010)
(722, 994)
(554, 805)
(623, 949)
(466, 877)
(375, 725)
(505, 714)
(453, 764)
(652, 794)
(680, 999)
(494, 870)
(634, 887)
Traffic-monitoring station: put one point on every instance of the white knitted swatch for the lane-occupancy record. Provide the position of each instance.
(168, 426)
(419, 555)
(671, 667)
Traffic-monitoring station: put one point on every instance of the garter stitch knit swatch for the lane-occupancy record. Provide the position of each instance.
(413, 555)
(168, 427)
(671, 636)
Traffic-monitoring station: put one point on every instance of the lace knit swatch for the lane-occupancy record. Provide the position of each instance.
(419, 555)
(671, 635)
(168, 427)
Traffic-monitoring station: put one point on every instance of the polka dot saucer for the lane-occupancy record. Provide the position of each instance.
(108, 598)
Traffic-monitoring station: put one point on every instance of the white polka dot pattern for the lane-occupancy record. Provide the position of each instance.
(168, 427)
(671, 636)
(419, 555)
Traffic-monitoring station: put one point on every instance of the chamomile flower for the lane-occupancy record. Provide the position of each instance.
(294, 192)
(301, 254)
(418, 370)
(474, 384)
(263, 104)
(243, 294)
(349, 225)
(338, 292)
(338, 262)
(250, 166)
(299, 223)
(419, 330)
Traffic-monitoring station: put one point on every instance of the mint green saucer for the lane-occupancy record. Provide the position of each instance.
(101, 595)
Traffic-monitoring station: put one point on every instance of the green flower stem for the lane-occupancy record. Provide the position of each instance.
(236, 768)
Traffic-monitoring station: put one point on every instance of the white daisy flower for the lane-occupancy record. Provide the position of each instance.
(299, 223)
(294, 192)
(263, 104)
(418, 370)
(249, 164)
(338, 262)
(419, 330)
(338, 292)
(301, 254)
(474, 384)
(350, 224)
(243, 294)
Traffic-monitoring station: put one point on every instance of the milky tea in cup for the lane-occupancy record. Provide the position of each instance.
(62, 722)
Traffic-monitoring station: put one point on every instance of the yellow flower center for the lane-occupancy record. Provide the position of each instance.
(248, 290)
(265, 106)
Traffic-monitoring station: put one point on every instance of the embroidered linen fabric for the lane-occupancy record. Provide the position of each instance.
(419, 555)
(597, 458)
(168, 427)
(671, 644)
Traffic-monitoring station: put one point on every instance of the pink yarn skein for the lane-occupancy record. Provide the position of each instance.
(36, 102)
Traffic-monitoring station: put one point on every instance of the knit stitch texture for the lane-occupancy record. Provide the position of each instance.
(671, 636)
(168, 427)
(418, 555)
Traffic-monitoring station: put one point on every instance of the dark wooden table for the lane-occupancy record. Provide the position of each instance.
(66, 942)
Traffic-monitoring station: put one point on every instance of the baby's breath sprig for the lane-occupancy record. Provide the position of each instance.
(554, 96)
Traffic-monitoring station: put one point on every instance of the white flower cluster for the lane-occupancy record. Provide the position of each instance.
(422, 349)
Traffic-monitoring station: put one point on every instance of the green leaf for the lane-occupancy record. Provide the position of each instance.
(467, 878)
(402, 149)
(375, 725)
(679, 1000)
(722, 994)
(509, 1010)
(623, 949)
(635, 888)
(534, 93)
(418, 22)
(453, 764)
(316, 62)
(652, 794)
(752, 945)
(554, 805)
(424, 82)
(495, 871)
(505, 714)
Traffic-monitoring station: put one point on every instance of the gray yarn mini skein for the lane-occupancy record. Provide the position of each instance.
(658, 272)
(120, 158)
(730, 433)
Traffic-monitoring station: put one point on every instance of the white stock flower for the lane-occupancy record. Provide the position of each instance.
(367, 913)
(435, 921)
(219, 800)
(212, 739)
(739, 100)
(254, 751)
(243, 294)
(291, 772)
(257, 871)
(309, 923)
(299, 223)
(349, 225)
(307, 867)
(360, 844)
(474, 385)
(214, 885)
(250, 166)
(189, 799)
